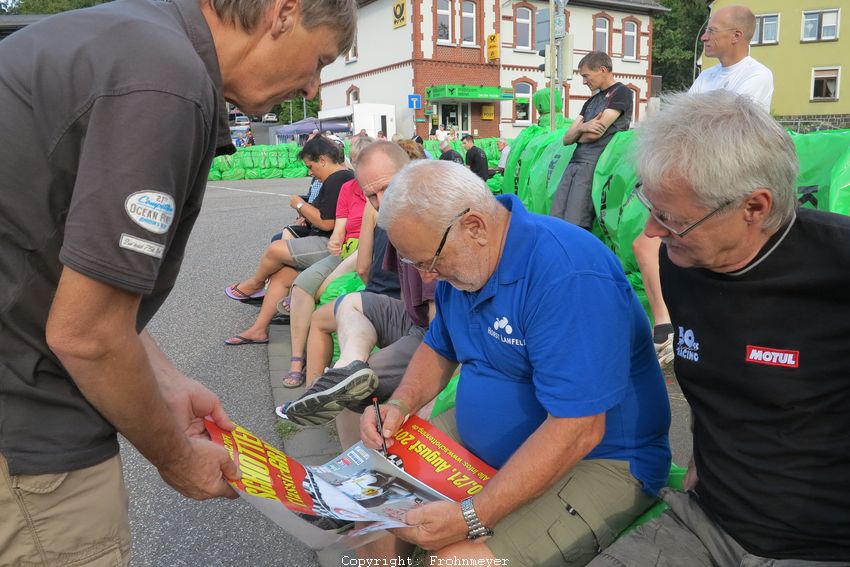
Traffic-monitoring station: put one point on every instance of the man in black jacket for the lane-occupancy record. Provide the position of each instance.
(476, 160)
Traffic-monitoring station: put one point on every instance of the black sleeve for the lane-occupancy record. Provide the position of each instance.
(133, 181)
(329, 193)
(621, 99)
(583, 111)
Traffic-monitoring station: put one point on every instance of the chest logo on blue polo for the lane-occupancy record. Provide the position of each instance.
(151, 210)
(502, 331)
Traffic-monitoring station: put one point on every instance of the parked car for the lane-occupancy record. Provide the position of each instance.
(242, 120)
(270, 117)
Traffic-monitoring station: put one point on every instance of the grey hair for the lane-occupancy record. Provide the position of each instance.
(444, 146)
(724, 145)
(339, 15)
(434, 191)
(503, 140)
(358, 145)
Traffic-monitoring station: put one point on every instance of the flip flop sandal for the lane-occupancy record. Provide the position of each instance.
(295, 378)
(239, 340)
(283, 305)
(233, 292)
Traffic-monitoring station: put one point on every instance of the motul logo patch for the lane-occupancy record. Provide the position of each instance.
(773, 356)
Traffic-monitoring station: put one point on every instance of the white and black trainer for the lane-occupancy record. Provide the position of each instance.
(332, 392)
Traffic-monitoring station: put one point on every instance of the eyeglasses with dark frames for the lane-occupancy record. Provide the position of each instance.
(682, 231)
(430, 269)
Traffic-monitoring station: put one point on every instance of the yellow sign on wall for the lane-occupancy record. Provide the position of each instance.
(492, 47)
(399, 14)
(488, 111)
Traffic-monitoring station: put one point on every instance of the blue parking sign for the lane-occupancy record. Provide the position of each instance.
(414, 101)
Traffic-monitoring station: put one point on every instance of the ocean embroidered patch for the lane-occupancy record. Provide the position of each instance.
(151, 210)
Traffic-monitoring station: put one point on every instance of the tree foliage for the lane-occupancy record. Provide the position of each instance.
(297, 105)
(44, 6)
(674, 37)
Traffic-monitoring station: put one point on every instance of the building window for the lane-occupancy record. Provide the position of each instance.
(352, 53)
(354, 97)
(444, 20)
(522, 103)
(767, 30)
(468, 22)
(629, 40)
(819, 26)
(825, 83)
(522, 27)
(600, 36)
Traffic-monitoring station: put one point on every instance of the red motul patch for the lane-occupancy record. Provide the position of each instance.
(772, 356)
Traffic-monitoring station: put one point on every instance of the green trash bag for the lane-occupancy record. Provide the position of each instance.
(677, 476)
(529, 167)
(214, 175)
(495, 184)
(232, 174)
(540, 100)
(446, 399)
(510, 179)
(547, 171)
(822, 155)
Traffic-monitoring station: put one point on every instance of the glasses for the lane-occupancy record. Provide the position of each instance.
(667, 224)
(430, 269)
(712, 31)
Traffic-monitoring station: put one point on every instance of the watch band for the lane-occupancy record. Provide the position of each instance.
(299, 205)
(476, 528)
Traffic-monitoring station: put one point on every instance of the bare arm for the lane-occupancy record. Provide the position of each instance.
(337, 237)
(91, 329)
(311, 213)
(574, 131)
(551, 451)
(594, 129)
(425, 377)
(367, 242)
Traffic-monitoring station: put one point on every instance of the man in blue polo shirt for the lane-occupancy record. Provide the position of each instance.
(559, 389)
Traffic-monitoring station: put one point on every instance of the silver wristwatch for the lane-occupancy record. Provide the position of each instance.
(299, 205)
(476, 528)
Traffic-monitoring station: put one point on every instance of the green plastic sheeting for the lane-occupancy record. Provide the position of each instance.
(445, 400)
(259, 162)
(514, 163)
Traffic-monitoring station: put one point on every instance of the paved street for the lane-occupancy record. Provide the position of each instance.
(236, 222)
(169, 530)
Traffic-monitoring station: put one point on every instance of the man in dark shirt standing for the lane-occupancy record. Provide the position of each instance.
(96, 207)
(447, 153)
(476, 159)
(768, 480)
(607, 112)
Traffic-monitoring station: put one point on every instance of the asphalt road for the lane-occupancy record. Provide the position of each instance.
(237, 220)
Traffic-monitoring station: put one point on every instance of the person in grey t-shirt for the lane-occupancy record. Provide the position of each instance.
(607, 112)
(96, 206)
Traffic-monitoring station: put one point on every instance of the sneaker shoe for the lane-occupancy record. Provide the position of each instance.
(664, 351)
(332, 392)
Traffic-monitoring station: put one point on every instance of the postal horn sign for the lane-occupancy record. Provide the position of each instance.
(399, 14)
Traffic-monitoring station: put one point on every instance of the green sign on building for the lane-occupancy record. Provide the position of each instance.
(467, 92)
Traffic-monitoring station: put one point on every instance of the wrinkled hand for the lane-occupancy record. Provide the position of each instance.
(300, 221)
(434, 525)
(201, 471)
(202, 468)
(690, 481)
(334, 247)
(392, 419)
(190, 403)
(294, 200)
